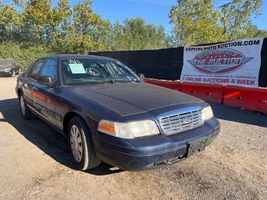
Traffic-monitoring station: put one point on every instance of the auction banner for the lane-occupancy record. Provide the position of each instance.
(230, 63)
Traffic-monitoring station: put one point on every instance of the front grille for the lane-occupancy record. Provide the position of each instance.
(180, 121)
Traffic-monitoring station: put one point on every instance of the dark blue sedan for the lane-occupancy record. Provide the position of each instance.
(110, 115)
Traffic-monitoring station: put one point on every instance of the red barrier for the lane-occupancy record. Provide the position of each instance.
(254, 99)
(212, 93)
(175, 85)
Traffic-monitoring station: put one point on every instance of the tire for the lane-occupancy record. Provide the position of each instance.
(24, 110)
(81, 145)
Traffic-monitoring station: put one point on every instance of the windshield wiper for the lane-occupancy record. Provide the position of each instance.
(126, 81)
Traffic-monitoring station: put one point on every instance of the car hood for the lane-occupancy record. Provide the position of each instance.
(132, 98)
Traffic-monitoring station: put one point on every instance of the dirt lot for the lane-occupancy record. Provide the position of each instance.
(34, 163)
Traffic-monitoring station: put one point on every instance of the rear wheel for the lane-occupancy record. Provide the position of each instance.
(81, 145)
(25, 112)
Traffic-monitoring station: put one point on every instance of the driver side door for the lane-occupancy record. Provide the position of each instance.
(44, 96)
(29, 85)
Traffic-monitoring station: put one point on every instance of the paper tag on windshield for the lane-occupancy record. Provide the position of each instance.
(77, 68)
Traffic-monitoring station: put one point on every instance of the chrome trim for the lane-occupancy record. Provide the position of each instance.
(180, 120)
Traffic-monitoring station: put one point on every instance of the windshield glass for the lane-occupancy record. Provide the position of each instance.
(82, 71)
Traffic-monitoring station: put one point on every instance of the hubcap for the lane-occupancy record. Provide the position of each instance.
(76, 143)
(22, 105)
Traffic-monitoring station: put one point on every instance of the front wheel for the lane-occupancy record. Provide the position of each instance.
(81, 145)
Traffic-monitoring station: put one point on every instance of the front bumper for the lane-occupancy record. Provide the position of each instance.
(149, 152)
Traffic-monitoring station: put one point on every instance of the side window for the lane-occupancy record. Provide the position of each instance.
(49, 69)
(34, 70)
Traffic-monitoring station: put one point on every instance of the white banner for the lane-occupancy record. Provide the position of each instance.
(230, 63)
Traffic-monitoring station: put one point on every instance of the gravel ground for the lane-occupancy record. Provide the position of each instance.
(34, 163)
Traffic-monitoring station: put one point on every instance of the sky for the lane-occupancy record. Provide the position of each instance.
(153, 11)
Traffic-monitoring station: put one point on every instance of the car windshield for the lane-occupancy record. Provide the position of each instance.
(82, 71)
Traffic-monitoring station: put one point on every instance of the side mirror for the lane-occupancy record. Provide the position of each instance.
(142, 76)
(46, 80)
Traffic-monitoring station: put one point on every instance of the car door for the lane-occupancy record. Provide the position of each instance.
(28, 86)
(45, 97)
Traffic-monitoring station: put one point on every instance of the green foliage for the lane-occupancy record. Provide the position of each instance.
(236, 16)
(66, 29)
(34, 28)
(197, 21)
(36, 21)
(136, 34)
(80, 31)
(61, 28)
(10, 21)
(251, 31)
(23, 55)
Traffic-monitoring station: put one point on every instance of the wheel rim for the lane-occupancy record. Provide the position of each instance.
(22, 105)
(76, 143)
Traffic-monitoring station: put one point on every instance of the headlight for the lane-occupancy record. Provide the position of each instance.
(207, 113)
(128, 130)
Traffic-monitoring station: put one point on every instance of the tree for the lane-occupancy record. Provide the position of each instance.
(262, 33)
(135, 34)
(88, 28)
(251, 31)
(22, 55)
(61, 27)
(37, 17)
(236, 16)
(197, 21)
(10, 22)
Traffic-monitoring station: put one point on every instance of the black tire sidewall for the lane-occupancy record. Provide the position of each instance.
(88, 154)
(28, 114)
(25, 114)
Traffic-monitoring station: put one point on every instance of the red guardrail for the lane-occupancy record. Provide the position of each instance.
(212, 93)
(254, 99)
(175, 85)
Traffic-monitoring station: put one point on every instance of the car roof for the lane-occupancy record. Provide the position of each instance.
(77, 56)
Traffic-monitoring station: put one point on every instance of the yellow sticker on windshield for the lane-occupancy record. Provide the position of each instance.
(77, 68)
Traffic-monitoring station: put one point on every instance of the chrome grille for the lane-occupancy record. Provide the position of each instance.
(181, 120)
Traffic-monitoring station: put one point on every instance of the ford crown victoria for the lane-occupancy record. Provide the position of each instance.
(110, 115)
